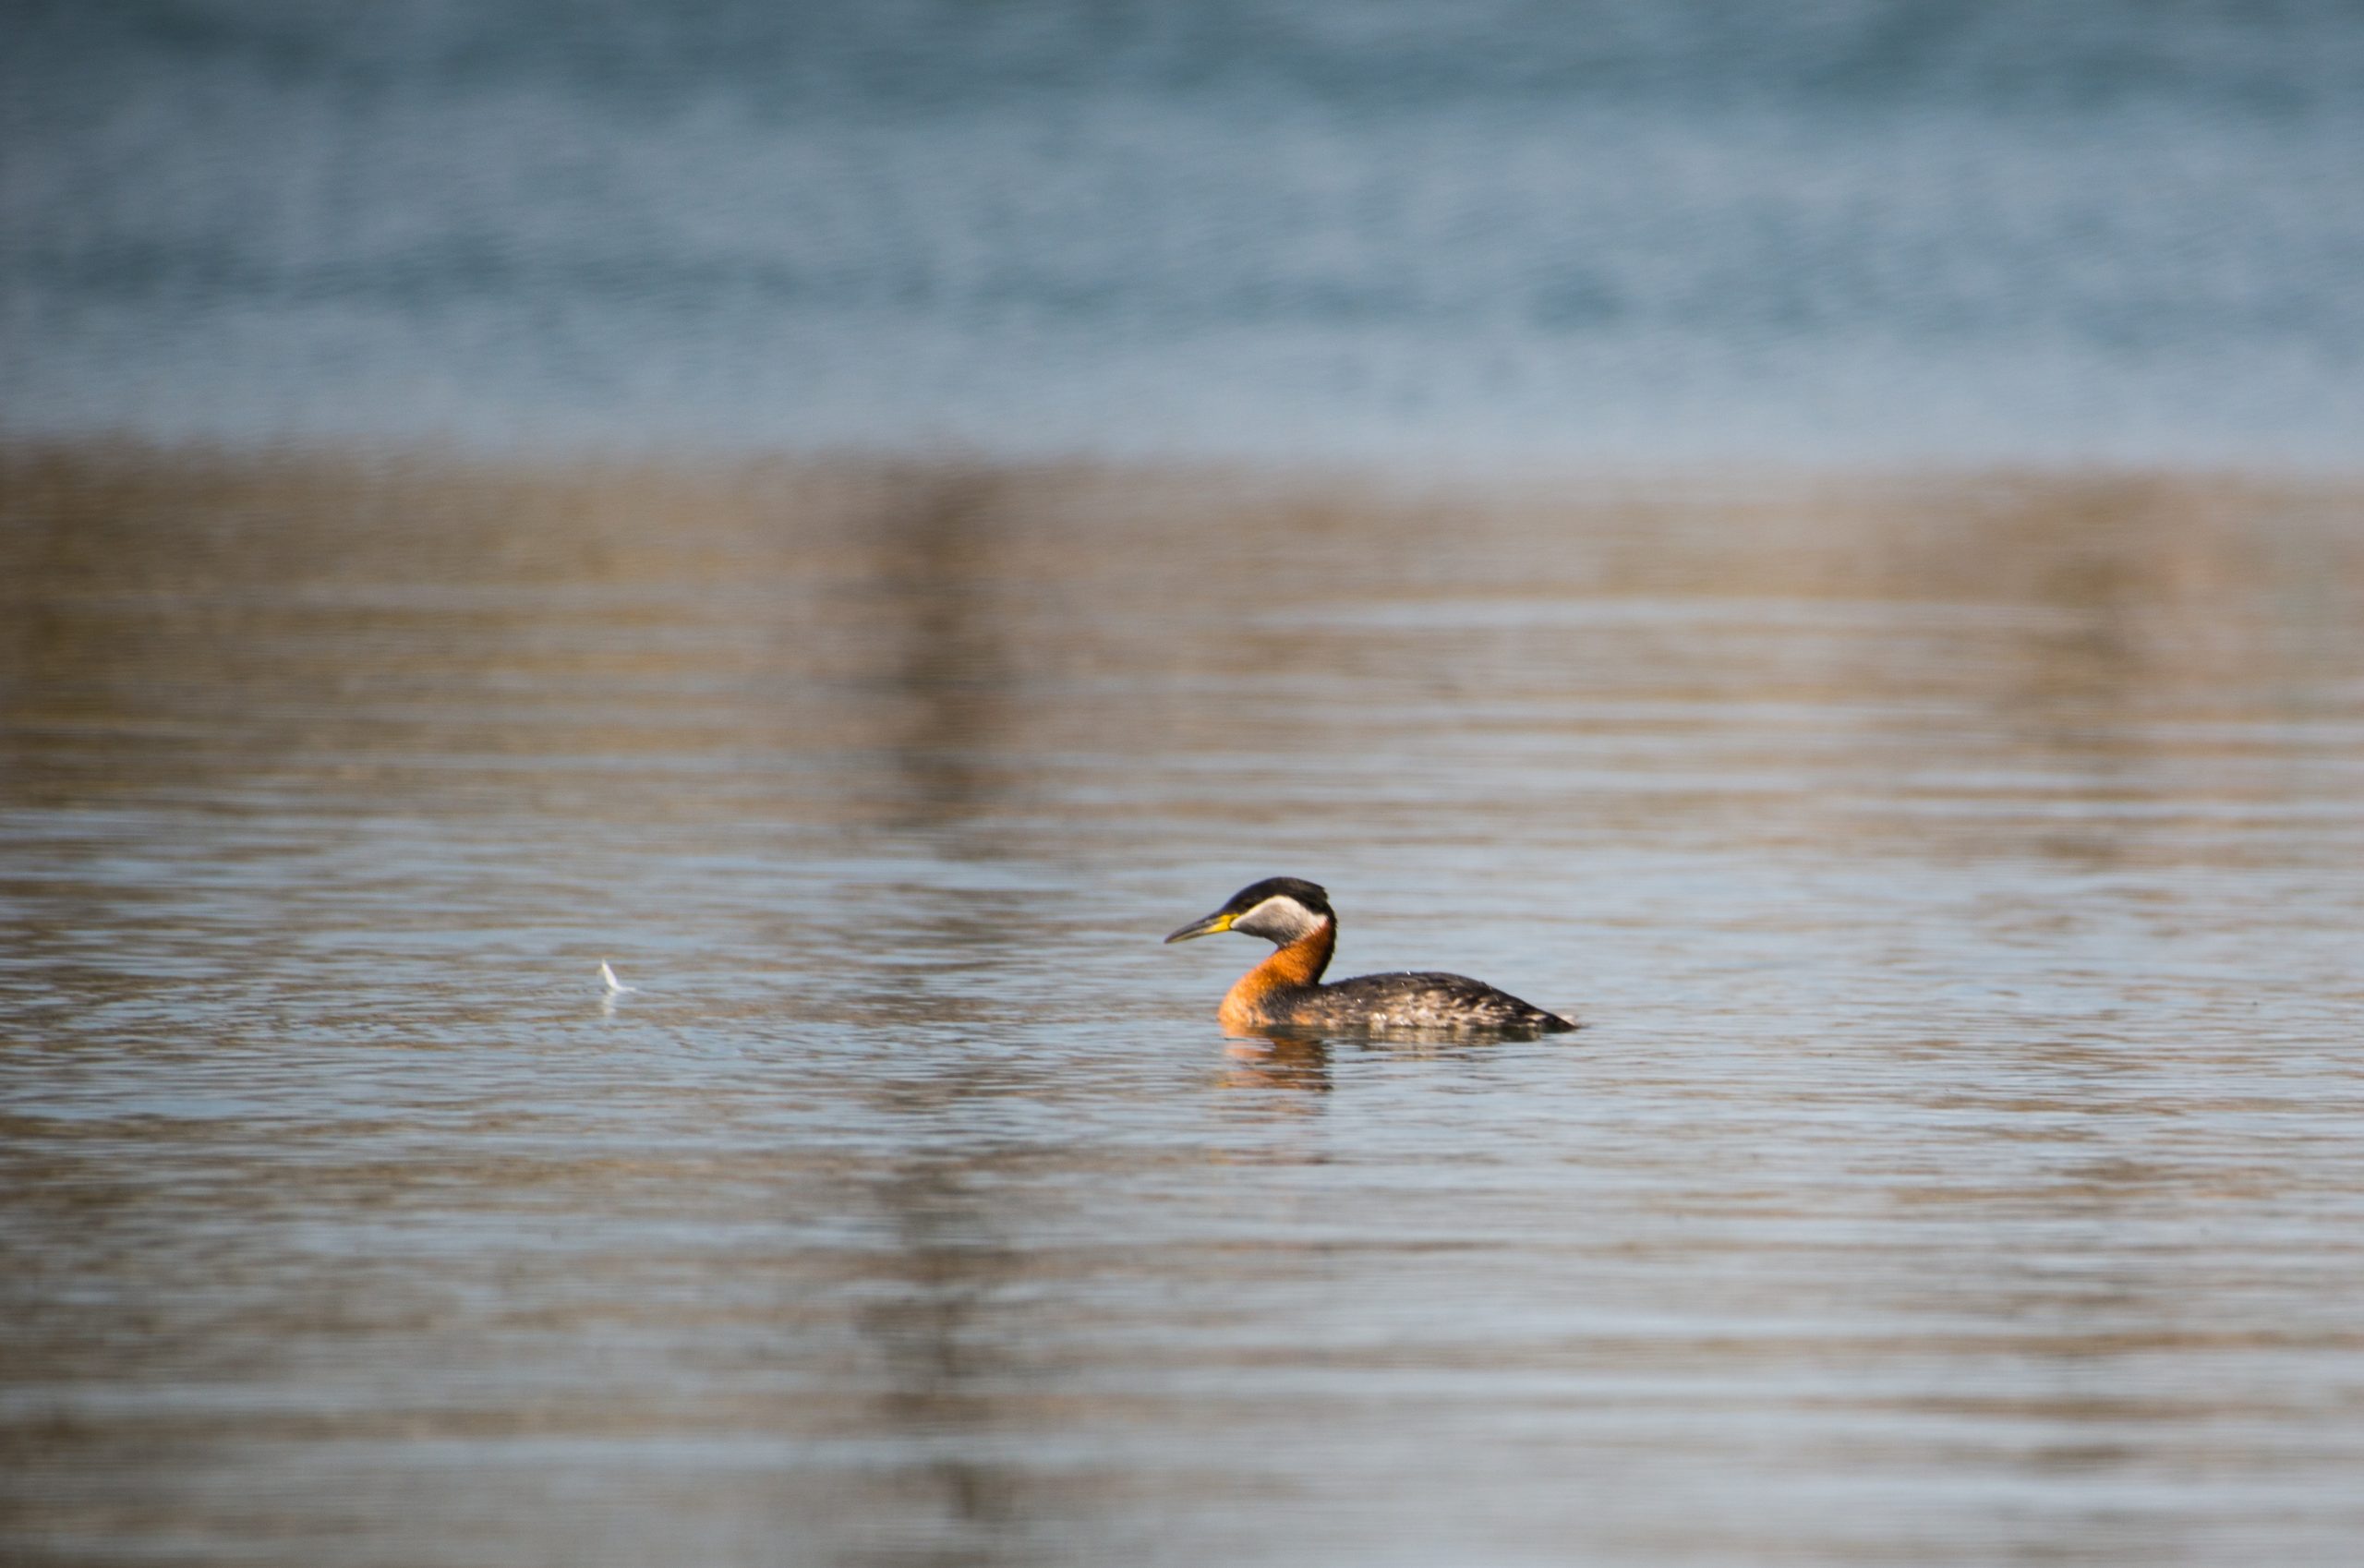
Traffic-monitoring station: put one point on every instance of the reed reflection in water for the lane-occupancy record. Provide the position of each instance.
(1955, 874)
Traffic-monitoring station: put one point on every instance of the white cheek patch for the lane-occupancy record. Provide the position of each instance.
(1280, 917)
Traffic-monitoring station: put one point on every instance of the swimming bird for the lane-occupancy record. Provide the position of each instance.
(615, 987)
(1285, 990)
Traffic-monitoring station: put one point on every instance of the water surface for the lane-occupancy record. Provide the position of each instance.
(1378, 231)
(1961, 1162)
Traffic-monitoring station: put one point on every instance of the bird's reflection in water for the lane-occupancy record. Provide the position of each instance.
(1303, 1060)
(1298, 1065)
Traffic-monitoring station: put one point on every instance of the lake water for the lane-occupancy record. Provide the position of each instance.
(1962, 1162)
(1822, 539)
(1476, 233)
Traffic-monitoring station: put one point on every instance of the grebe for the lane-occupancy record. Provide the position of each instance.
(1285, 990)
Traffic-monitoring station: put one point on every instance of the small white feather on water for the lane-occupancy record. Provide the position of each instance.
(615, 987)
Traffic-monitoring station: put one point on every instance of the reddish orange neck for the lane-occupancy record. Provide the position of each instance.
(1296, 967)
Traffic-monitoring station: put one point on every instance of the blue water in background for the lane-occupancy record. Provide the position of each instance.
(1421, 230)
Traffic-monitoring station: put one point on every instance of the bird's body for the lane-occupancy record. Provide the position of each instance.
(1286, 991)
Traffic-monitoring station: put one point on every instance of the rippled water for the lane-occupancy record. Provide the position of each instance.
(1962, 1163)
(1476, 231)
